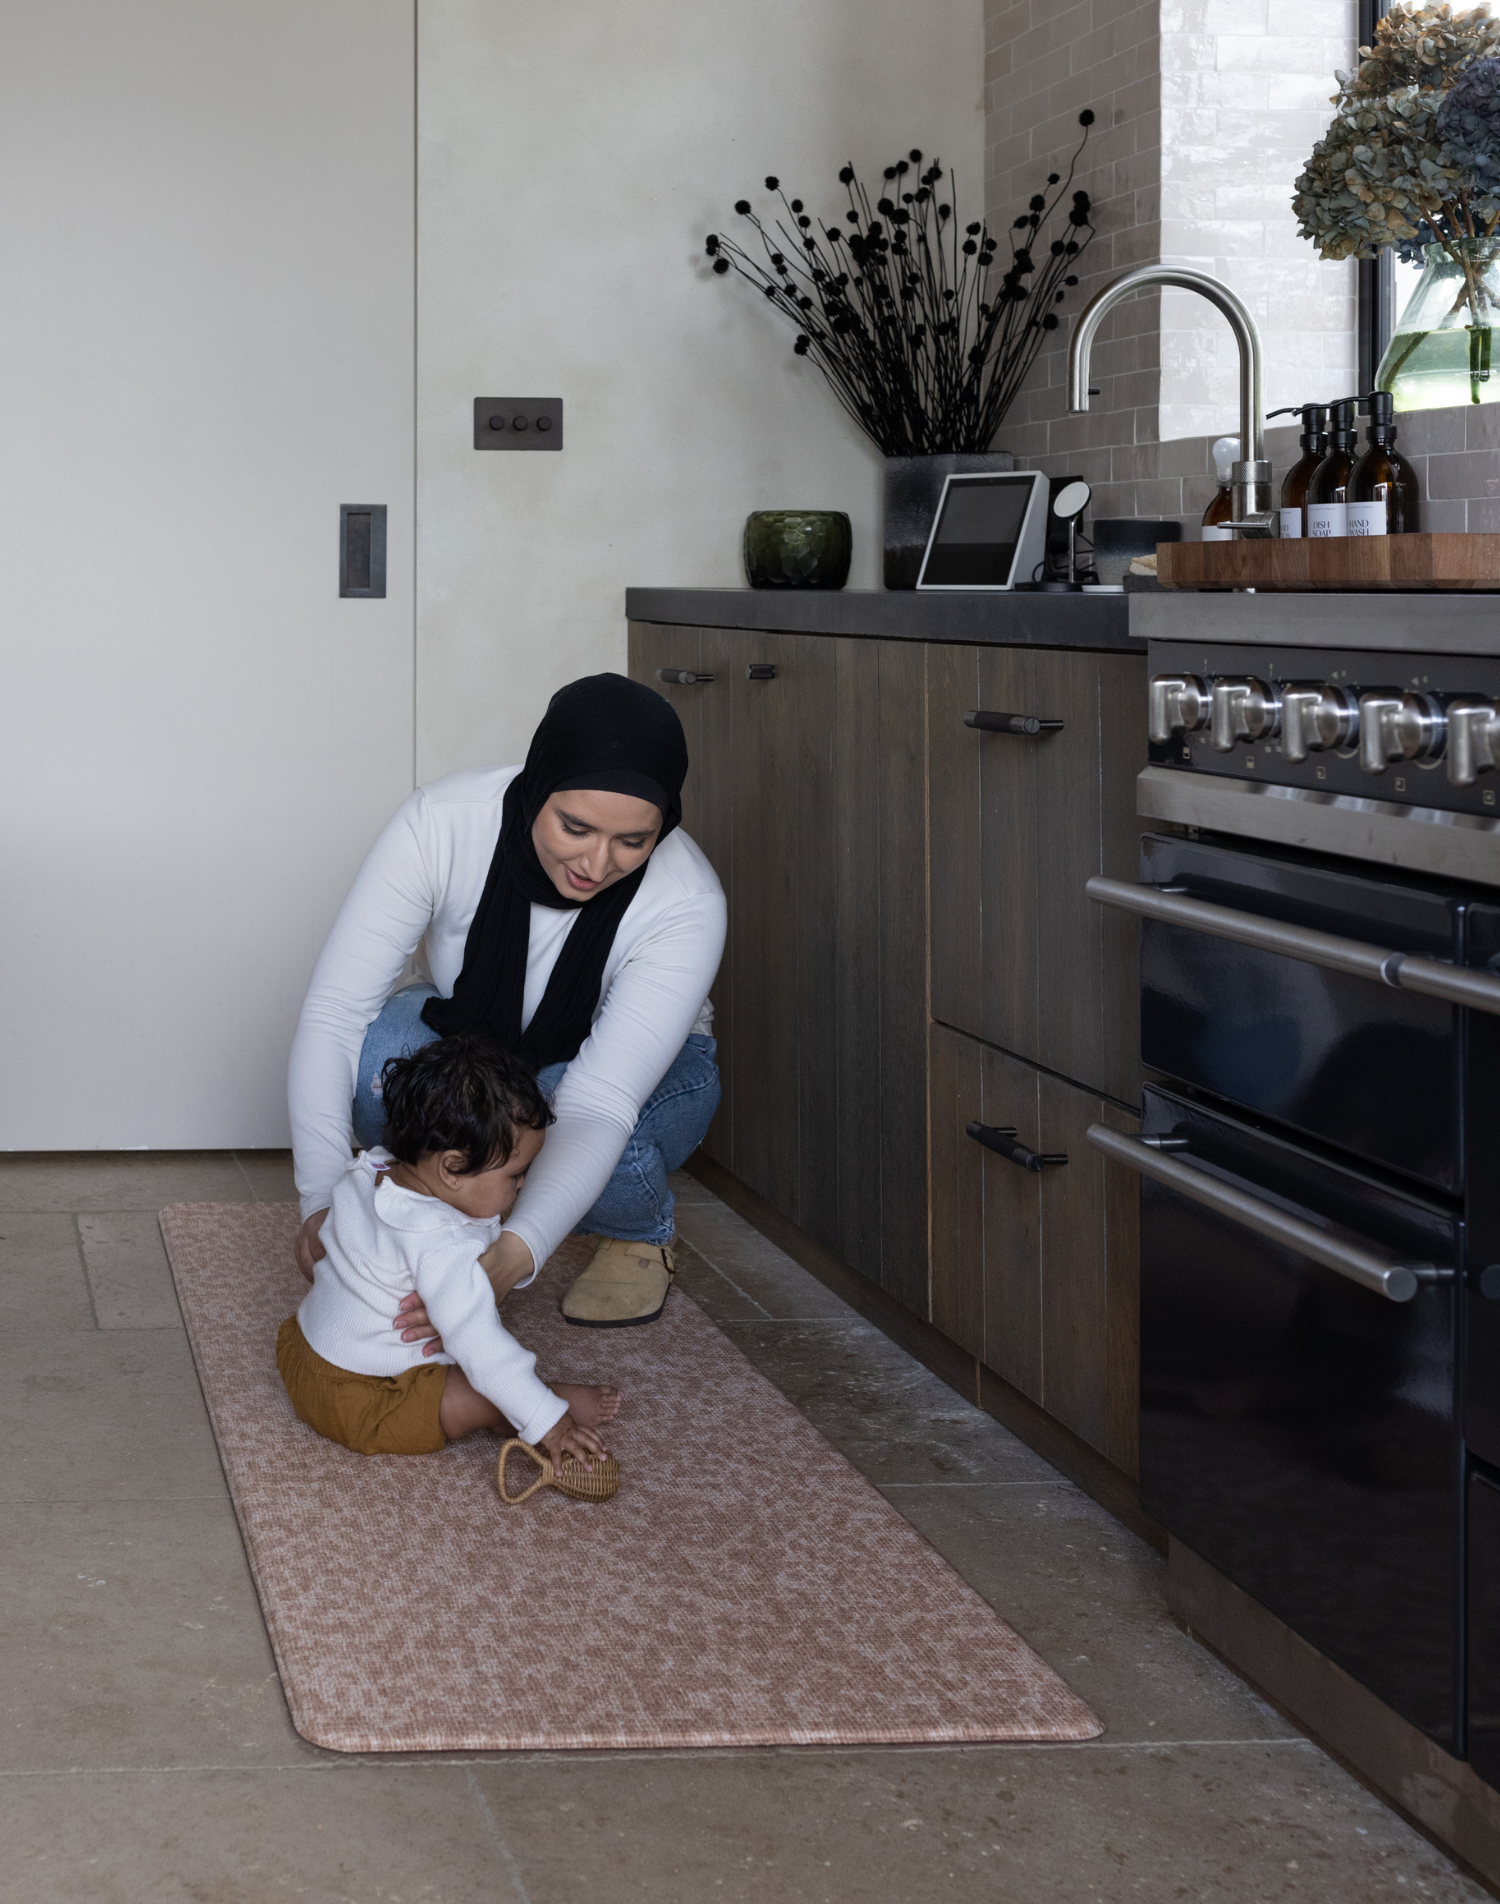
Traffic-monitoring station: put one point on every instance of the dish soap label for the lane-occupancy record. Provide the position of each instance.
(1367, 518)
(1327, 519)
(1290, 527)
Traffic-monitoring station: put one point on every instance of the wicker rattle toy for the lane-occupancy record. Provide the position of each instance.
(574, 1479)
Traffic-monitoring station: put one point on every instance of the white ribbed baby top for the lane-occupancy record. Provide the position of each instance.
(383, 1242)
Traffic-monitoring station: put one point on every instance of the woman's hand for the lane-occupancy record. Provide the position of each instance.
(566, 1437)
(415, 1324)
(309, 1246)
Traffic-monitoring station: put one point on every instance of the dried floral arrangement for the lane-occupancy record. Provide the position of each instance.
(925, 340)
(1412, 157)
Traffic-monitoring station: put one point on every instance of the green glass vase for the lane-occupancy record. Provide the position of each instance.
(798, 548)
(1441, 353)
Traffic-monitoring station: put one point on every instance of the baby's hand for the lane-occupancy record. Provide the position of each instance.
(566, 1437)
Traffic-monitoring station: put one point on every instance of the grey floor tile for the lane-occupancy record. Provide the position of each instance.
(134, 1638)
(269, 1174)
(42, 1284)
(1024, 1825)
(103, 1415)
(718, 1298)
(756, 1266)
(339, 1834)
(119, 1180)
(894, 1419)
(128, 1270)
(687, 1189)
(1088, 1596)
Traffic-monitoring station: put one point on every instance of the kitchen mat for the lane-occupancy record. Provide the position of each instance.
(746, 1586)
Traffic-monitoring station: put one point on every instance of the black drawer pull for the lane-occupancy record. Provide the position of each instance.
(1001, 1138)
(760, 671)
(1027, 724)
(683, 677)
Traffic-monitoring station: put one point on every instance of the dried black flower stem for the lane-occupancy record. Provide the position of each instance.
(925, 342)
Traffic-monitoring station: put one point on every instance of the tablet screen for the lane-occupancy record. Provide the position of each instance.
(977, 532)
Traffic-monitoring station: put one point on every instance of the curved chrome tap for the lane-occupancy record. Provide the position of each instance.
(1252, 477)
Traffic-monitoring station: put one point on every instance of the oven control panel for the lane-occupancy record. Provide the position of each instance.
(1417, 730)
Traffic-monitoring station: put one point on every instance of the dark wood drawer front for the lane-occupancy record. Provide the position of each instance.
(1036, 1272)
(1017, 824)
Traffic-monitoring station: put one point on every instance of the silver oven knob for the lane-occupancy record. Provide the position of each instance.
(1473, 740)
(1314, 717)
(1396, 726)
(1243, 709)
(1176, 701)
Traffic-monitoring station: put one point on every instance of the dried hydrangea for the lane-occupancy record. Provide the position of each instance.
(1387, 171)
(1468, 123)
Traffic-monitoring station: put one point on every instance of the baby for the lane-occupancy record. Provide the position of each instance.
(464, 1121)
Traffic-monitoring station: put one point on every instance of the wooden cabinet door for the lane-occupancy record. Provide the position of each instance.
(707, 794)
(1021, 957)
(1036, 1273)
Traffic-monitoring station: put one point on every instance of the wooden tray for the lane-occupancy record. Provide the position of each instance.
(1405, 562)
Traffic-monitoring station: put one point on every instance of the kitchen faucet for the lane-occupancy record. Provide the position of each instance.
(1251, 479)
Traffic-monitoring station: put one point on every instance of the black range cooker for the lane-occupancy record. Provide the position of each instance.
(1320, 1154)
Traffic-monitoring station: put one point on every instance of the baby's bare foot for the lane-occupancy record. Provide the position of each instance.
(591, 1404)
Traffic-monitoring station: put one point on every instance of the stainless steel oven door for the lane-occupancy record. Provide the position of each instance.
(1298, 1392)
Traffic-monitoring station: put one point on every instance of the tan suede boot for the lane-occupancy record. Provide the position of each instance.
(626, 1284)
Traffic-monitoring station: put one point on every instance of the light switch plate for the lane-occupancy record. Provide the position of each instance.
(518, 423)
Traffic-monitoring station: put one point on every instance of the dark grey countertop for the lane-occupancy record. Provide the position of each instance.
(1042, 621)
(1430, 623)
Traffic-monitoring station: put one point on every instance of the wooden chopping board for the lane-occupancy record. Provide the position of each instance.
(1404, 562)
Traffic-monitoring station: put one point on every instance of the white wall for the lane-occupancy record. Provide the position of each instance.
(572, 156)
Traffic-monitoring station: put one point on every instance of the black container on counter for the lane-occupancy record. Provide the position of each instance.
(1292, 521)
(1383, 490)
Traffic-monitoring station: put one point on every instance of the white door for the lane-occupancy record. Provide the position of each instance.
(206, 347)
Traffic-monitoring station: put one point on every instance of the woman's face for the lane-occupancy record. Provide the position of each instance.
(588, 840)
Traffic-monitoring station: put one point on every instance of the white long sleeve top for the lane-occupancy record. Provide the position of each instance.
(382, 1242)
(420, 885)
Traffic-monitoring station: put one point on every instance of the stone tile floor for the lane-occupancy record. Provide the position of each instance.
(145, 1751)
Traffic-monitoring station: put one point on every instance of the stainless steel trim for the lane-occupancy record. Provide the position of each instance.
(1372, 1269)
(1425, 839)
(1458, 984)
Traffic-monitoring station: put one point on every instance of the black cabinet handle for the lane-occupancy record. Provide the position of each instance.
(683, 677)
(1001, 1138)
(760, 671)
(1027, 724)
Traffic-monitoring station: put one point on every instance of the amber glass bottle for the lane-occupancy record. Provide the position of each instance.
(1292, 521)
(1328, 488)
(1226, 454)
(1382, 485)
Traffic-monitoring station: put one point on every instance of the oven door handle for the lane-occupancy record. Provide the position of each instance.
(1411, 973)
(1371, 1268)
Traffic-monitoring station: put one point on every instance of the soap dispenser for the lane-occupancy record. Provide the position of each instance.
(1291, 523)
(1382, 485)
(1220, 512)
(1328, 490)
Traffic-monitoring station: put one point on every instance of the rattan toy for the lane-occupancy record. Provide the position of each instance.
(574, 1479)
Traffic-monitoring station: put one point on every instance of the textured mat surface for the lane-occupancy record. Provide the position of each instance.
(745, 1587)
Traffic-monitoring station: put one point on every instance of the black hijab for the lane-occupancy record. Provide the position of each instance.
(607, 734)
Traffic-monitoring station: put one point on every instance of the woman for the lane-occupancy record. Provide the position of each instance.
(564, 915)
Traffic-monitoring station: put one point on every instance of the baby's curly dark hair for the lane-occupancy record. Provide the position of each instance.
(463, 1093)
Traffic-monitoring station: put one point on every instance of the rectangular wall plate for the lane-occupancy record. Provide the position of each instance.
(518, 423)
(362, 550)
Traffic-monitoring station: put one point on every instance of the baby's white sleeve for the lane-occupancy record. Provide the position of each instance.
(461, 1305)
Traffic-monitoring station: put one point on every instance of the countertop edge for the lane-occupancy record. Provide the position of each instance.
(1030, 621)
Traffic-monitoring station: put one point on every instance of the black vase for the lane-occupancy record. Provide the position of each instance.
(798, 548)
(913, 490)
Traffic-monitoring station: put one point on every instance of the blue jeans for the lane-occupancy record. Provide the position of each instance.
(637, 1203)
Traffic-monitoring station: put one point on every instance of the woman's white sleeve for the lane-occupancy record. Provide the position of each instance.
(652, 1004)
(461, 1303)
(379, 926)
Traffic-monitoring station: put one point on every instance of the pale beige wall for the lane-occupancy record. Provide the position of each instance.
(572, 156)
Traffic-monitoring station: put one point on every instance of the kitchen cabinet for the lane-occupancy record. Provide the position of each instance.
(1018, 823)
(807, 792)
(1035, 1271)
